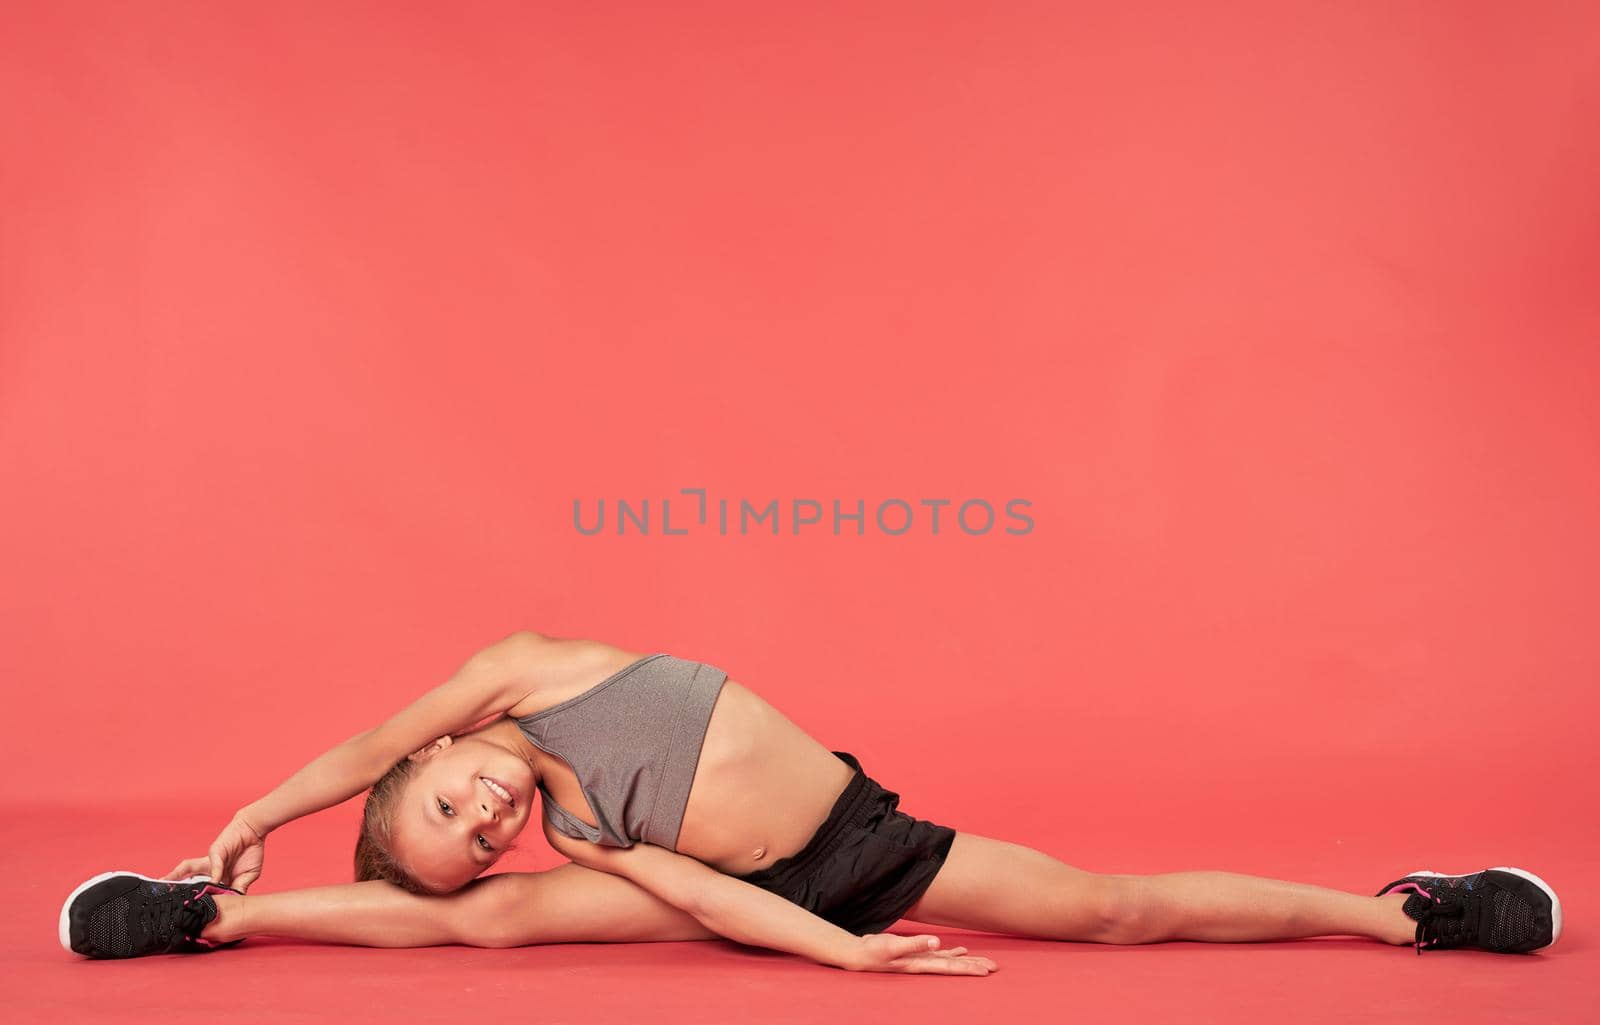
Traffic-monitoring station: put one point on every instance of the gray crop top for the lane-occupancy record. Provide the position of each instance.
(633, 740)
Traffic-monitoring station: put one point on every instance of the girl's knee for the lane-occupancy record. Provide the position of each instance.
(490, 912)
(1119, 911)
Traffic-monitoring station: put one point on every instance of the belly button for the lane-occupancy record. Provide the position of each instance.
(761, 852)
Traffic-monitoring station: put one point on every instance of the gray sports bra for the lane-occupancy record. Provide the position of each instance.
(633, 739)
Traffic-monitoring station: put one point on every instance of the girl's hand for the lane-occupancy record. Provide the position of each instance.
(916, 955)
(234, 859)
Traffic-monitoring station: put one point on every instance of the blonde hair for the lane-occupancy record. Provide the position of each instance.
(375, 845)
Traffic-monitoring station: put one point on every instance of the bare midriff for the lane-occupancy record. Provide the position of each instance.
(762, 788)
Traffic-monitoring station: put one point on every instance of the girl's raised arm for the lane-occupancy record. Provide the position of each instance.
(489, 683)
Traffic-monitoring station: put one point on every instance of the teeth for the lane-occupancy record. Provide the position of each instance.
(497, 790)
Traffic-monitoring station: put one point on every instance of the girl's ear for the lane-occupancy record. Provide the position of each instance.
(424, 752)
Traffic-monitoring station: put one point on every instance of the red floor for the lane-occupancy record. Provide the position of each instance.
(50, 849)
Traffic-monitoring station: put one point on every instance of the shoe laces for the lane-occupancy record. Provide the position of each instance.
(1444, 918)
(169, 912)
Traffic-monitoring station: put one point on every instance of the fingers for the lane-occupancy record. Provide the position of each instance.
(216, 862)
(926, 946)
(917, 955)
(966, 965)
(186, 868)
(929, 964)
(955, 961)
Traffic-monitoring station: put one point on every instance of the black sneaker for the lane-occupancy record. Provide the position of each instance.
(125, 914)
(1503, 909)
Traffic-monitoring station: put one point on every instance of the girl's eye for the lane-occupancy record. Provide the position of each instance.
(484, 843)
(444, 807)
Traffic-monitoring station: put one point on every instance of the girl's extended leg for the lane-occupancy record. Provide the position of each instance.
(568, 904)
(995, 886)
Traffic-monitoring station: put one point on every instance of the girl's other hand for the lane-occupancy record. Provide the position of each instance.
(916, 955)
(234, 859)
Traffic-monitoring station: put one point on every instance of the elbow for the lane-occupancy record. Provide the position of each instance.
(515, 649)
(696, 901)
(522, 640)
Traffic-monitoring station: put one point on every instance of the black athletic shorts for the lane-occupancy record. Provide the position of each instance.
(866, 864)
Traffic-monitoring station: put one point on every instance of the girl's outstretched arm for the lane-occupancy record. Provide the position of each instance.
(488, 684)
(744, 912)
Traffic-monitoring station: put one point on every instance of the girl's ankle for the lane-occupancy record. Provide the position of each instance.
(1404, 931)
(229, 923)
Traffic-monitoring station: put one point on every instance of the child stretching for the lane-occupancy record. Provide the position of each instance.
(692, 808)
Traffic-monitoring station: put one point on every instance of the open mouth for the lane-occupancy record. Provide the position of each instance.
(500, 790)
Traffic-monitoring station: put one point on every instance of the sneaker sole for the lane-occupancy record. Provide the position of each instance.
(1549, 891)
(64, 929)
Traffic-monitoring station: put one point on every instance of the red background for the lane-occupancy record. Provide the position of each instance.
(315, 320)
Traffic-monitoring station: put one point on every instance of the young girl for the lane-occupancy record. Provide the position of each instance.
(692, 808)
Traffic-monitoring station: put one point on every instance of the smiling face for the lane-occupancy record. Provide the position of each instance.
(463, 806)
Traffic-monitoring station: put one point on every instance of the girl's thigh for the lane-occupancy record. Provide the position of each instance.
(574, 904)
(997, 886)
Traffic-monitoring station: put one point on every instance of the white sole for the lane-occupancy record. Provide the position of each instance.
(1549, 891)
(63, 929)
